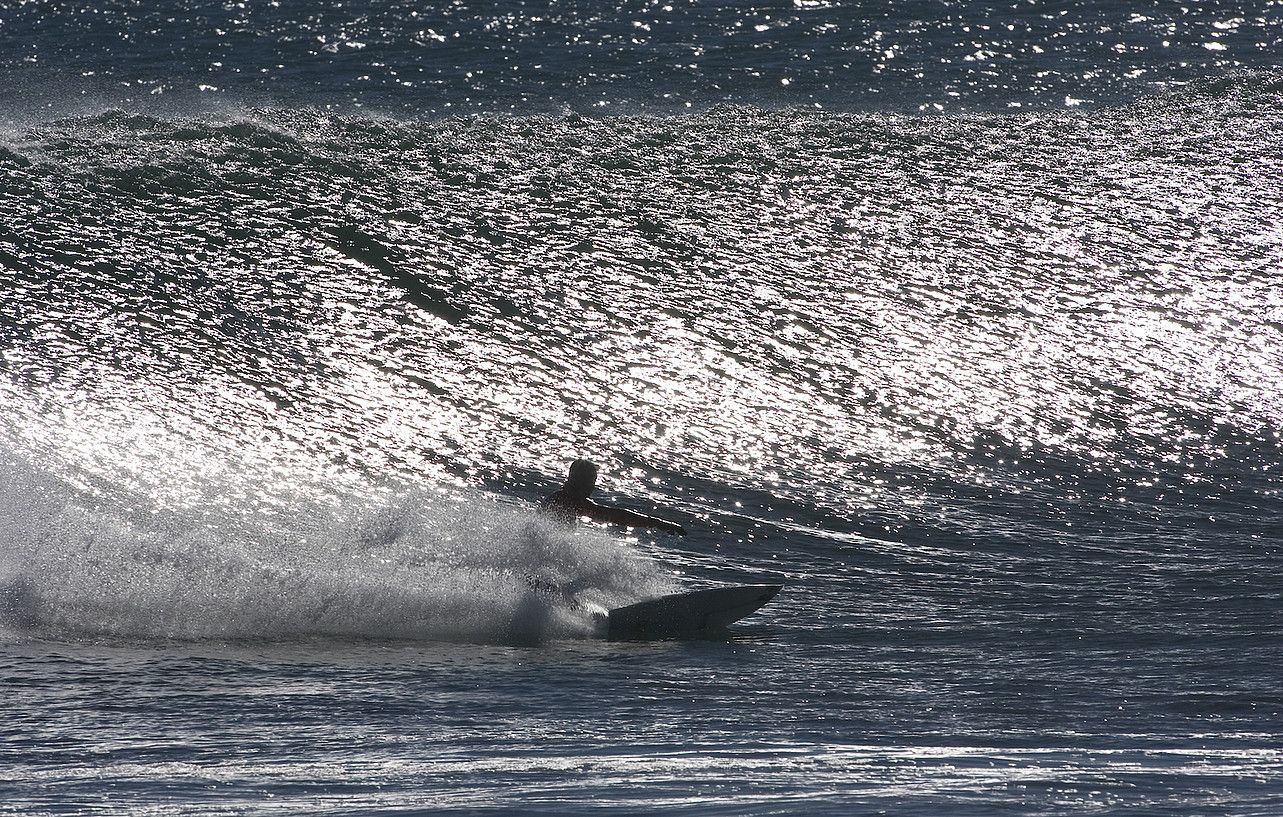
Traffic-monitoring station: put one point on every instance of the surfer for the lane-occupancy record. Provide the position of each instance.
(571, 501)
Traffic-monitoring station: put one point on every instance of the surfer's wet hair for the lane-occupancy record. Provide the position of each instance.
(582, 478)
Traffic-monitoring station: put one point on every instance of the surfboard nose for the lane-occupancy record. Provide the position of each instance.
(691, 613)
(769, 591)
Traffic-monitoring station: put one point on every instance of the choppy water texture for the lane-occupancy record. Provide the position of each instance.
(994, 392)
(639, 54)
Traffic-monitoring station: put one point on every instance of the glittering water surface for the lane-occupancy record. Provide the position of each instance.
(994, 393)
(789, 300)
(476, 728)
(461, 56)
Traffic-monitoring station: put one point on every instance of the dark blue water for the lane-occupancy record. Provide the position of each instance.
(658, 56)
(962, 321)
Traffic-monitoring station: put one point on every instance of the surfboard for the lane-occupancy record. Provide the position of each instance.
(688, 614)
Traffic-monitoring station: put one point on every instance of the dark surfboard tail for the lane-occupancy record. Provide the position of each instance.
(688, 614)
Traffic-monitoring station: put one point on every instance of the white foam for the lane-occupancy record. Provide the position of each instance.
(419, 566)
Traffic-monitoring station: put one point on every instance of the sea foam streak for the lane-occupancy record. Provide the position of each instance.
(417, 567)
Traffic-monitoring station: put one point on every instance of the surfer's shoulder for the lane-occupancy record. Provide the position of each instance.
(562, 507)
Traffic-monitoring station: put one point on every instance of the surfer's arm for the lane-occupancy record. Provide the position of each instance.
(619, 516)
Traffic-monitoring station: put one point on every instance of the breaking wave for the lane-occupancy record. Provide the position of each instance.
(417, 566)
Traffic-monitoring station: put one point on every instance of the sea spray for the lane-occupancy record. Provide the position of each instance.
(417, 566)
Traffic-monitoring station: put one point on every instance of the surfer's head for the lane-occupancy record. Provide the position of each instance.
(582, 479)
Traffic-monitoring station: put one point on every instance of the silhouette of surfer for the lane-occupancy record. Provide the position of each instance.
(570, 501)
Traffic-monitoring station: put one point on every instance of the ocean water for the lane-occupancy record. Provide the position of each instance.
(963, 321)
